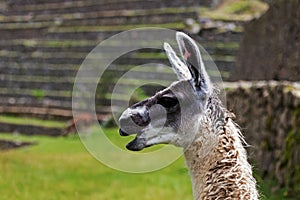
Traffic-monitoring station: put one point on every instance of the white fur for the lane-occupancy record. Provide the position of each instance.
(212, 143)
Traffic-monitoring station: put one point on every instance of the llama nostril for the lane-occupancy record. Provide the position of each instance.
(140, 120)
(130, 123)
(140, 116)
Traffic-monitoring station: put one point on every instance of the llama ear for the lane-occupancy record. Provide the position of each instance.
(192, 58)
(178, 66)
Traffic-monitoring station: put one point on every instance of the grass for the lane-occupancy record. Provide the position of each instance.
(61, 168)
(114, 28)
(32, 121)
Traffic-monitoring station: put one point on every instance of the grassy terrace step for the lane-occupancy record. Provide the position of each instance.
(76, 33)
(87, 49)
(64, 79)
(37, 107)
(80, 56)
(41, 33)
(50, 99)
(90, 6)
(112, 16)
(32, 121)
(37, 30)
(35, 93)
(49, 113)
(49, 72)
(49, 105)
(113, 28)
(134, 20)
(31, 94)
(48, 43)
(78, 61)
(36, 85)
(30, 2)
(92, 28)
(14, 67)
(69, 58)
(9, 69)
(37, 48)
(61, 78)
(19, 87)
(33, 101)
(36, 111)
(37, 2)
(61, 86)
(116, 20)
(45, 75)
(22, 46)
(20, 83)
(83, 43)
(36, 66)
(30, 101)
(103, 106)
(16, 59)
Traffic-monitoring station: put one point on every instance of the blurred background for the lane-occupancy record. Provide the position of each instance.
(254, 43)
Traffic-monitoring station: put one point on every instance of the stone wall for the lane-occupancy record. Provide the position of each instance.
(269, 116)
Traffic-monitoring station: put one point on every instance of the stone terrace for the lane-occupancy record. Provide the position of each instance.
(43, 44)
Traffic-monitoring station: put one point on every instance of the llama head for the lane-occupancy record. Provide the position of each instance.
(172, 115)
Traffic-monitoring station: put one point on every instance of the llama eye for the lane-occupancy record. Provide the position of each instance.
(168, 102)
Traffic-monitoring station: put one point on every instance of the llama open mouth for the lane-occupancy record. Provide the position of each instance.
(123, 133)
(136, 144)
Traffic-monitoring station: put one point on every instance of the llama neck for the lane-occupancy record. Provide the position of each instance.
(223, 172)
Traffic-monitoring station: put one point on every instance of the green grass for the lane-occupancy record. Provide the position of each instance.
(32, 121)
(61, 168)
(112, 28)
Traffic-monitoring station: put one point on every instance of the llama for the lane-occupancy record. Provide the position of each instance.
(194, 118)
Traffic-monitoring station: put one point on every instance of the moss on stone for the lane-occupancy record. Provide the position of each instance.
(234, 10)
(289, 162)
